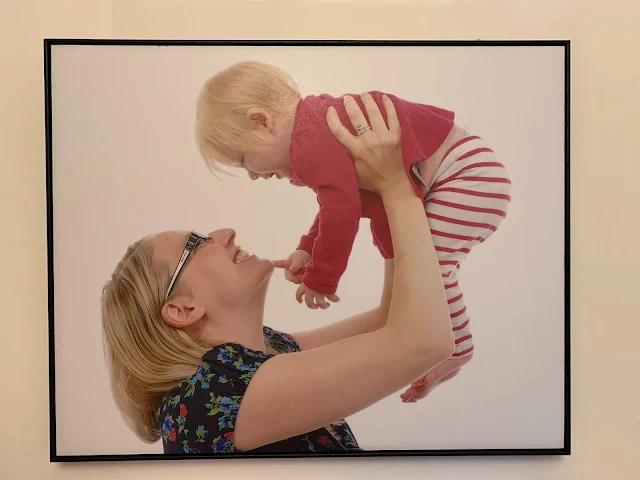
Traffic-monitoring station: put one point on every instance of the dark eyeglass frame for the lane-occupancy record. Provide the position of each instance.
(192, 242)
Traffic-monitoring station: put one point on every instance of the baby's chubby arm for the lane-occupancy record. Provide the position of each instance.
(338, 222)
(322, 163)
(322, 255)
(307, 240)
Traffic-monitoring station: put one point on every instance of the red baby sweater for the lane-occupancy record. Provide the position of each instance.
(319, 161)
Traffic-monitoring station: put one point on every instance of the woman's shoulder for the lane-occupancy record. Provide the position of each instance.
(227, 368)
(200, 413)
(237, 355)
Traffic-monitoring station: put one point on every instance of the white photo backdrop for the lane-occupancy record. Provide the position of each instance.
(124, 165)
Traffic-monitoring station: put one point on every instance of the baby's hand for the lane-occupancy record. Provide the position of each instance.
(314, 299)
(294, 266)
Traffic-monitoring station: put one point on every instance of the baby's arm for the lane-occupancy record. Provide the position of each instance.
(321, 163)
(326, 254)
(307, 241)
(337, 226)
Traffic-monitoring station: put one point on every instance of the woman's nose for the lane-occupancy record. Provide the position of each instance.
(224, 236)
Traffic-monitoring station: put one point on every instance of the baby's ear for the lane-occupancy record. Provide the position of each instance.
(260, 118)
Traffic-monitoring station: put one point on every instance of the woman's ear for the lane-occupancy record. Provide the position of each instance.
(180, 314)
(260, 118)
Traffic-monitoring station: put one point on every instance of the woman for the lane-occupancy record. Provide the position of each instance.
(192, 363)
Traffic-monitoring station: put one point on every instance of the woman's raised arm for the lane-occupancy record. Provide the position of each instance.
(296, 393)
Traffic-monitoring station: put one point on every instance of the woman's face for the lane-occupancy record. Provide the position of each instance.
(217, 274)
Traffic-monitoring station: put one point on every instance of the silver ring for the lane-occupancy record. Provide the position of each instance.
(360, 129)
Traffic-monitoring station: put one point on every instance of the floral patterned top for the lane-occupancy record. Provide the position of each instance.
(199, 415)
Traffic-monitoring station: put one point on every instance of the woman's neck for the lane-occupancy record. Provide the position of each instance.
(243, 327)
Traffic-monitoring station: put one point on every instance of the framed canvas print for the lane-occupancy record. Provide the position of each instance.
(307, 248)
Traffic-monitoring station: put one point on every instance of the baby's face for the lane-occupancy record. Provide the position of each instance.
(267, 152)
(269, 162)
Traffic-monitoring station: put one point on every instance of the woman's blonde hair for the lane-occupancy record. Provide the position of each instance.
(146, 357)
(225, 99)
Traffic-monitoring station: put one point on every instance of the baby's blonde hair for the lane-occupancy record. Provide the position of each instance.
(146, 357)
(225, 99)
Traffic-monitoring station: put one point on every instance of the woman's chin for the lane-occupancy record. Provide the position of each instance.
(254, 260)
(260, 267)
(261, 282)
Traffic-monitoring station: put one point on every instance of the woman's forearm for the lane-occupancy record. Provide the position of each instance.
(358, 324)
(287, 395)
(418, 304)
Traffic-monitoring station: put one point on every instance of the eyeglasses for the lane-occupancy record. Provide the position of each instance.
(192, 242)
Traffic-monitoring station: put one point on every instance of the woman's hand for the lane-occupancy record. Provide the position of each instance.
(377, 152)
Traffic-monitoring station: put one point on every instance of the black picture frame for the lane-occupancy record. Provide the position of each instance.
(565, 44)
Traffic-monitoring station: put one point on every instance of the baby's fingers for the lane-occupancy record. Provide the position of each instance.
(309, 300)
(296, 264)
(300, 293)
(293, 277)
(321, 302)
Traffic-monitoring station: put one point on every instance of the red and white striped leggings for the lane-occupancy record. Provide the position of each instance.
(465, 203)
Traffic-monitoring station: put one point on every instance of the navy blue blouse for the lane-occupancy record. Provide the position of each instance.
(199, 415)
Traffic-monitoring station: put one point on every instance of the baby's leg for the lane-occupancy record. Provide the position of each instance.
(465, 204)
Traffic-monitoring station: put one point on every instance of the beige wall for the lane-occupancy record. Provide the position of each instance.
(605, 99)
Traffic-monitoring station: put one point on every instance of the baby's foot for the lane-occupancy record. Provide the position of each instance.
(442, 373)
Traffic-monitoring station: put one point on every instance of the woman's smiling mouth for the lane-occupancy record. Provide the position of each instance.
(240, 256)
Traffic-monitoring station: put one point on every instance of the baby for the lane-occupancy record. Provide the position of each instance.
(252, 116)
